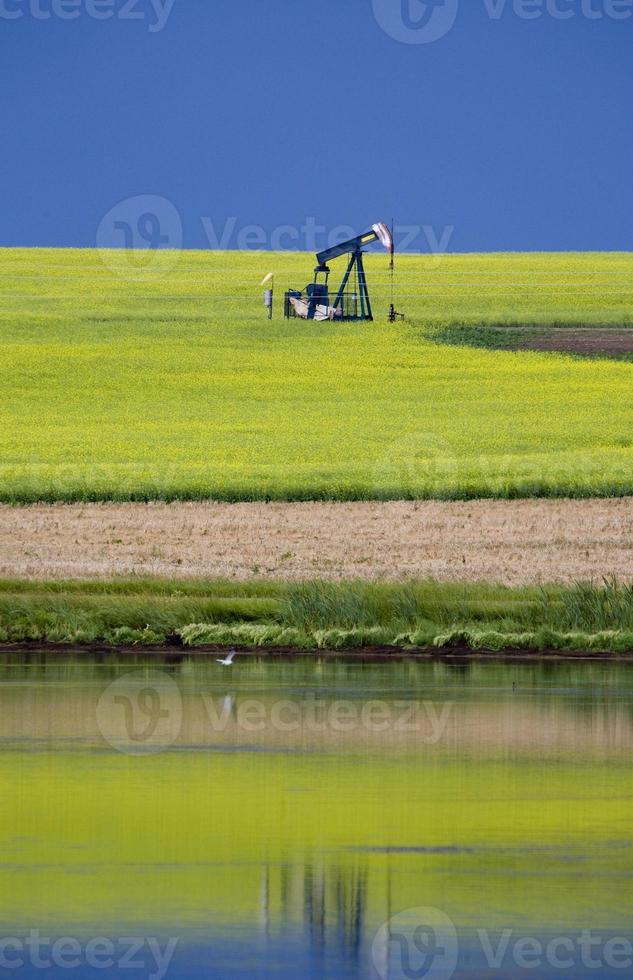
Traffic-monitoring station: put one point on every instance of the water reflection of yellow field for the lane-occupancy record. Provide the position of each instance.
(521, 808)
(191, 836)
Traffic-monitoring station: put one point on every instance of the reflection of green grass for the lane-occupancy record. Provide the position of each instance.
(178, 387)
(319, 615)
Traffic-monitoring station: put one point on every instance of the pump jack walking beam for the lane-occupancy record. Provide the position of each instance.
(343, 248)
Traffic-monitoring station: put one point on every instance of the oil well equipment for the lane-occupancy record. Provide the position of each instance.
(350, 300)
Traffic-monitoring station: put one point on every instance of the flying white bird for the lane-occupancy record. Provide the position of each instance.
(227, 661)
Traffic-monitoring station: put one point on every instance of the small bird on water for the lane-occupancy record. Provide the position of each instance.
(227, 661)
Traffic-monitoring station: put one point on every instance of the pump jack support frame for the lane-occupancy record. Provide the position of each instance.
(356, 259)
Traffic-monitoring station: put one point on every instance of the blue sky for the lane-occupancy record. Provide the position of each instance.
(479, 124)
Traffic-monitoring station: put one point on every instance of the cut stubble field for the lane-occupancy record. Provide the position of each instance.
(513, 543)
(164, 381)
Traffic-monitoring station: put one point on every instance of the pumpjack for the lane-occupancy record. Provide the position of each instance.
(318, 302)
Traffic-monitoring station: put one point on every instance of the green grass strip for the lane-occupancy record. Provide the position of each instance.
(319, 615)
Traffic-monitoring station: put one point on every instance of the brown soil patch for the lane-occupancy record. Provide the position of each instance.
(588, 341)
(513, 542)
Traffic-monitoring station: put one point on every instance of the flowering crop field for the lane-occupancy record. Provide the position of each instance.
(158, 376)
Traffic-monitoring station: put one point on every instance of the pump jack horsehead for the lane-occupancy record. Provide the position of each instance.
(350, 301)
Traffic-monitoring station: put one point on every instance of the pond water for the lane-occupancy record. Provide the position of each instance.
(323, 819)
